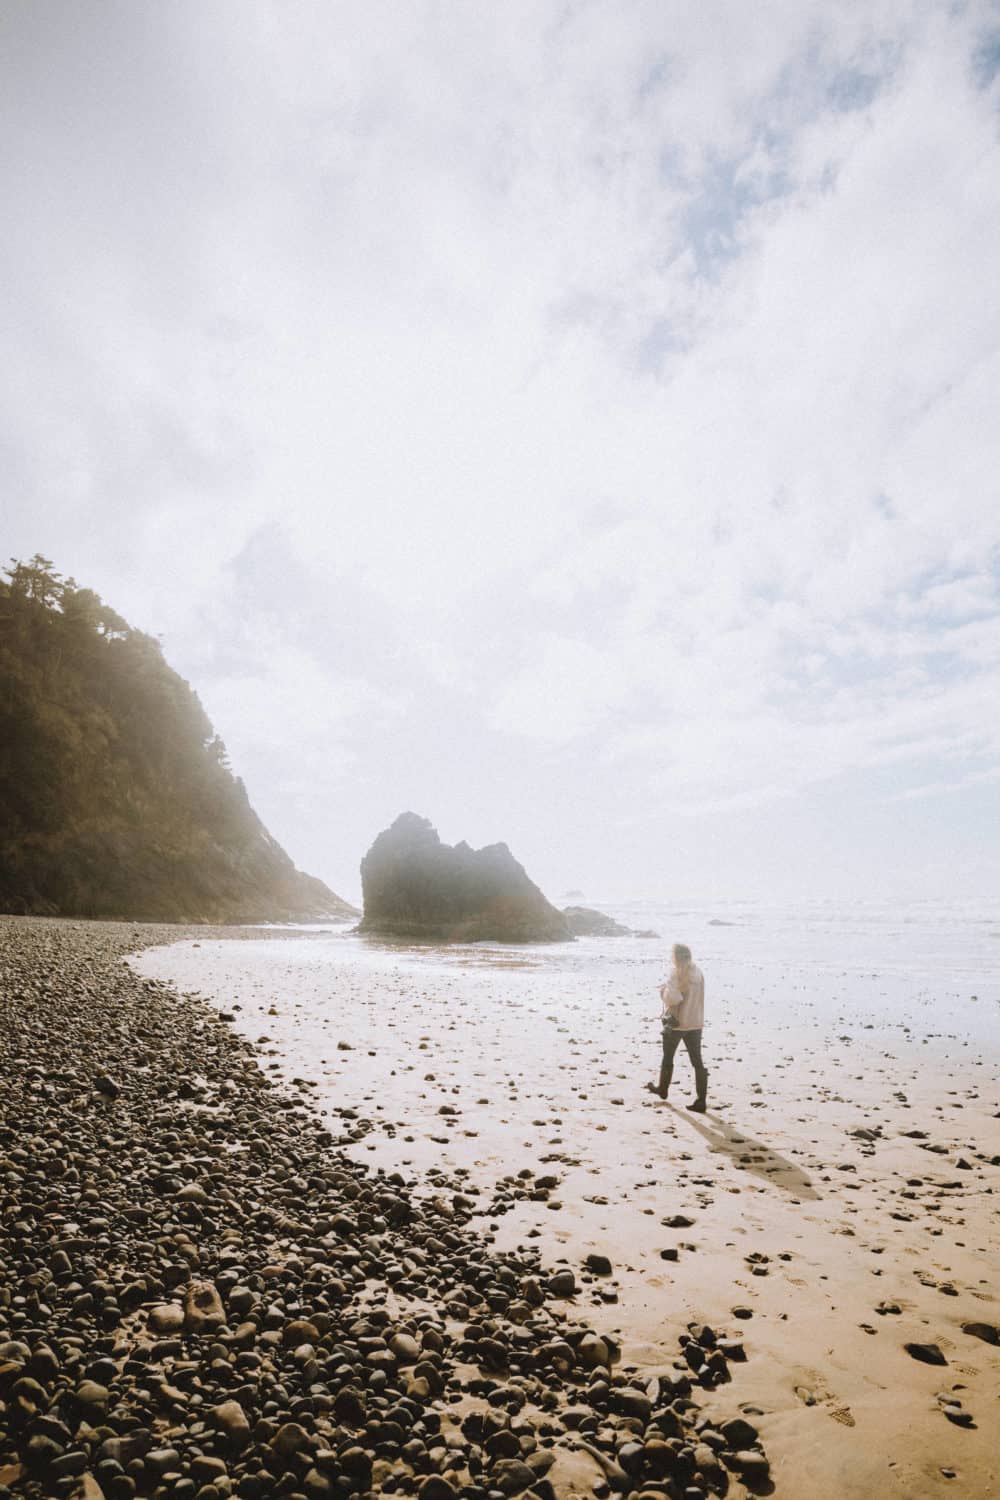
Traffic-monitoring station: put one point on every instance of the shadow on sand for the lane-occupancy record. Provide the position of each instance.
(748, 1154)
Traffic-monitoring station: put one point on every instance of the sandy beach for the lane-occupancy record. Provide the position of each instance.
(837, 1203)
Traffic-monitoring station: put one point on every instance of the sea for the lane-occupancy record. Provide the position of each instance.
(929, 968)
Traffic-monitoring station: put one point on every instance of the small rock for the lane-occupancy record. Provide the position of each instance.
(739, 1433)
(231, 1420)
(92, 1397)
(599, 1264)
(751, 1464)
(203, 1310)
(511, 1476)
(928, 1354)
(562, 1284)
(984, 1331)
(592, 1352)
(436, 1487)
(168, 1317)
(632, 1403)
(290, 1439)
(405, 1347)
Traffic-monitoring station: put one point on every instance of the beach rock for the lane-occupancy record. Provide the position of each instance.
(91, 1398)
(928, 1354)
(290, 1439)
(599, 1264)
(168, 1317)
(630, 1402)
(232, 1421)
(584, 921)
(985, 1331)
(751, 1464)
(592, 1352)
(315, 1485)
(437, 1487)
(561, 1284)
(405, 1347)
(203, 1310)
(512, 1476)
(415, 886)
(738, 1433)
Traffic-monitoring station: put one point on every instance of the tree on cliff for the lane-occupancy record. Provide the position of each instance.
(116, 797)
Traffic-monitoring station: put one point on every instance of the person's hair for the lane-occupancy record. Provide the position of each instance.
(682, 953)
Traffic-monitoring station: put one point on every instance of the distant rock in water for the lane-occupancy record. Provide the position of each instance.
(416, 887)
(574, 895)
(585, 922)
(116, 796)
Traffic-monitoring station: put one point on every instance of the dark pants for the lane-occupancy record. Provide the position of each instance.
(672, 1039)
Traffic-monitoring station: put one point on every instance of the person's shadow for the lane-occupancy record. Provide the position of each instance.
(750, 1155)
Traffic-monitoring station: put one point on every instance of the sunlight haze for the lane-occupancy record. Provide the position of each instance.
(576, 423)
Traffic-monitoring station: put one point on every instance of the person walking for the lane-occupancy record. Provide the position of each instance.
(683, 1016)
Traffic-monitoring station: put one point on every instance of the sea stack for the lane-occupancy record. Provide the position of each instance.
(584, 921)
(416, 887)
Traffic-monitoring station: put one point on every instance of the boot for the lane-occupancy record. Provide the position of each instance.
(698, 1105)
(662, 1087)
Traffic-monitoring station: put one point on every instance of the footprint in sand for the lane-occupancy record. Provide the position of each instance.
(842, 1414)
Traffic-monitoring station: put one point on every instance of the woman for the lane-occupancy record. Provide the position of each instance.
(683, 1016)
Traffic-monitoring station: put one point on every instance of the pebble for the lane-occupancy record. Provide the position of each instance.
(194, 1297)
(599, 1264)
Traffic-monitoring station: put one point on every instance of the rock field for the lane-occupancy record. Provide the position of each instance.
(200, 1296)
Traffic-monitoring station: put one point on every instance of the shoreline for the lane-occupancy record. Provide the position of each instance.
(825, 1188)
(202, 1296)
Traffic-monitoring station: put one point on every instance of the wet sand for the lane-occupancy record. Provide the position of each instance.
(837, 1202)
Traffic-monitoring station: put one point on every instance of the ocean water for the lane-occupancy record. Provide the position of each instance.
(931, 966)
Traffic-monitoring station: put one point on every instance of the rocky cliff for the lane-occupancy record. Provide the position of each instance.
(416, 887)
(116, 796)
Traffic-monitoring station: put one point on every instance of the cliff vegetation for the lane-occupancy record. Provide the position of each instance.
(116, 794)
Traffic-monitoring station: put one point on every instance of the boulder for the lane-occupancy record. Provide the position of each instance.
(416, 887)
(584, 921)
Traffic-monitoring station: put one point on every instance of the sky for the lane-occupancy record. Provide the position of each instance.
(574, 422)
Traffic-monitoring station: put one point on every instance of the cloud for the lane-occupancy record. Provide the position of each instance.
(605, 393)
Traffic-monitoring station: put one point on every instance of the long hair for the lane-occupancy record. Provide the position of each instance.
(682, 955)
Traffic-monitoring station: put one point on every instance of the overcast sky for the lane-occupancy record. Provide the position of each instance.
(576, 422)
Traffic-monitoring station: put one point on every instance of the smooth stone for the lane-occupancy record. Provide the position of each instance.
(928, 1354)
(738, 1433)
(561, 1284)
(984, 1331)
(232, 1421)
(168, 1317)
(599, 1264)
